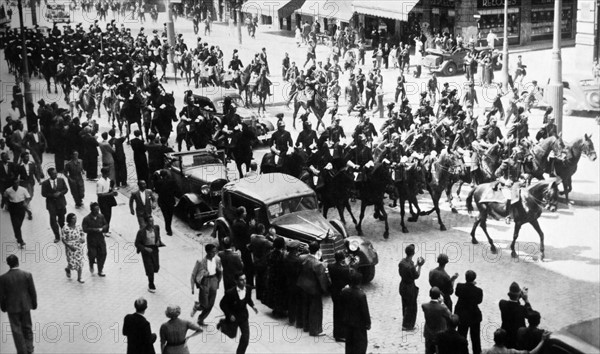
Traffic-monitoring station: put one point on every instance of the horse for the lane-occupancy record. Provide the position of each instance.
(292, 164)
(64, 76)
(527, 210)
(439, 177)
(48, 70)
(112, 106)
(315, 103)
(263, 90)
(87, 101)
(540, 153)
(335, 192)
(162, 119)
(372, 192)
(132, 111)
(405, 182)
(566, 168)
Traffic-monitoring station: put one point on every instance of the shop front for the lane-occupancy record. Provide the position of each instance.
(491, 19)
(542, 19)
(443, 15)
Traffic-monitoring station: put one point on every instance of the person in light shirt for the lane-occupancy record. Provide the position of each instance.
(15, 198)
(206, 276)
(106, 195)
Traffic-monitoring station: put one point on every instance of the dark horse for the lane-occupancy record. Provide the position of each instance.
(315, 103)
(49, 67)
(566, 168)
(132, 111)
(335, 192)
(527, 210)
(372, 193)
(540, 153)
(292, 164)
(405, 182)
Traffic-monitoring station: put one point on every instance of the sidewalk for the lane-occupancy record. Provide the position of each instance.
(87, 318)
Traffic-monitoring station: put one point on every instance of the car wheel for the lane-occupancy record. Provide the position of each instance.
(450, 69)
(368, 273)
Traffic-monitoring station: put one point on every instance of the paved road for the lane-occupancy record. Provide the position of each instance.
(74, 318)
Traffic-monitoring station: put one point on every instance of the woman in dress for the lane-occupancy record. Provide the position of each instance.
(172, 332)
(276, 294)
(74, 240)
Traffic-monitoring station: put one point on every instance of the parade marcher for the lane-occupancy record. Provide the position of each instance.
(106, 194)
(206, 276)
(173, 332)
(234, 305)
(54, 190)
(438, 277)
(17, 298)
(513, 313)
(136, 328)
(356, 316)
(436, 318)
(74, 240)
(509, 174)
(490, 133)
(467, 309)
(547, 130)
(232, 263)
(147, 242)
(144, 201)
(15, 198)
(28, 175)
(451, 341)
(260, 246)
(408, 290)
(74, 173)
(314, 283)
(281, 141)
(94, 225)
(340, 275)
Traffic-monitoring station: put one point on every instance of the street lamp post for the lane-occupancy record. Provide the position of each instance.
(27, 90)
(505, 49)
(33, 12)
(554, 90)
(170, 32)
(239, 21)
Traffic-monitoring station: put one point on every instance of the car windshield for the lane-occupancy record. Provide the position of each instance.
(291, 205)
(199, 160)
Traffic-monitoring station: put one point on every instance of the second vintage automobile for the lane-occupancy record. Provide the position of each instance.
(290, 206)
(200, 175)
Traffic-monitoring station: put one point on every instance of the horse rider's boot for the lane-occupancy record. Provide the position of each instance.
(509, 210)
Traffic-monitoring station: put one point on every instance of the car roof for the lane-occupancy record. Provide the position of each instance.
(205, 151)
(583, 335)
(269, 187)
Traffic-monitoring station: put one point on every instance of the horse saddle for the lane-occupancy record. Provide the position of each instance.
(499, 195)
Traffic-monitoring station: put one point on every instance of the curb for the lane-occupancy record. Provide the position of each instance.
(584, 200)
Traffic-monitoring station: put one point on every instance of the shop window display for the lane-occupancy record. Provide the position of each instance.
(495, 23)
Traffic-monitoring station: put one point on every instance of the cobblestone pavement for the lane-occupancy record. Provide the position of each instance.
(76, 318)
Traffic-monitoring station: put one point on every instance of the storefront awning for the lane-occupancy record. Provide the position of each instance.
(338, 9)
(393, 9)
(274, 8)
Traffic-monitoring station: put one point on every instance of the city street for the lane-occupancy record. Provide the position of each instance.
(88, 318)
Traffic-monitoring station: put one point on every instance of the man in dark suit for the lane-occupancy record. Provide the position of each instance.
(408, 289)
(450, 341)
(18, 298)
(147, 242)
(467, 309)
(355, 315)
(241, 239)
(167, 190)
(28, 174)
(292, 264)
(438, 277)
(139, 156)
(144, 202)
(54, 190)
(436, 316)
(140, 339)
(8, 171)
(234, 304)
(339, 273)
(314, 283)
(513, 313)
(231, 262)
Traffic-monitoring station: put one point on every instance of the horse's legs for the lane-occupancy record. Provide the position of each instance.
(518, 225)
(450, 198)
(386, 233)
(363, 206)
(536, 226)
(48, 84)
(340, 208)
(474, 229)
(460, 184)
(347, 205)
(404, 229)
(412, 201)
(436, 206)
(483, 225)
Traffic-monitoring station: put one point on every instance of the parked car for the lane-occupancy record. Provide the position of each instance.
(580, 93)
(212, 103)
(451, 63)
(291, 207)
(578, 338)
(200, 175)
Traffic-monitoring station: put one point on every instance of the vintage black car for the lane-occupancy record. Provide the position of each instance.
(578, 338)
(291, 207)
(212, 103)
(200, 176)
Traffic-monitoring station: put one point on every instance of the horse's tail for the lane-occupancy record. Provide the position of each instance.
(470, 200)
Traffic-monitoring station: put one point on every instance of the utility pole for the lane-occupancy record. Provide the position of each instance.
(505, 49)
(33, 12)
(170, 32)
(27, 90)
(555, 87)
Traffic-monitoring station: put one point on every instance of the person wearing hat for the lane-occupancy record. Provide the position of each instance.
(339, 273)
(408, 289)
(490, 133)
(437, 316)
(356, 315)
(438, 277)
(281, 141)
(307, 138)
(513, 313)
